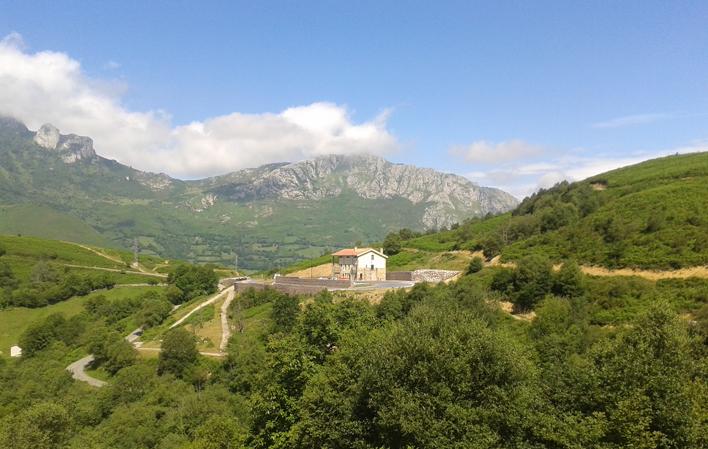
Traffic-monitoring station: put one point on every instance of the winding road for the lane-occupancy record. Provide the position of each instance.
(78, 368)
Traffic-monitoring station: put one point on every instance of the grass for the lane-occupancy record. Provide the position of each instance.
(256, 323)
(33, 220)
(35, 249)
(14, 321)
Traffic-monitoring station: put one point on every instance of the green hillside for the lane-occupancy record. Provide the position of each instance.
(652, 215)
(102, 202)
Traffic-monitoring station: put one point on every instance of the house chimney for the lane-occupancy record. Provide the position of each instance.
(354, 248)
(381, 250)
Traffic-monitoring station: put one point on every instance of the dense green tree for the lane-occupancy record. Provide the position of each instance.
(284, 312)
(154, 310)
(438, 379)
(407, 234)
(569, 281)
(532, 280)
(179, 353)
(219, 433)
(7, 277)
(110, 350)
(392, 244)
(53, 328)
(45, 425)
(649, 385)
(43, 272)
(174, 294)
(193, 280)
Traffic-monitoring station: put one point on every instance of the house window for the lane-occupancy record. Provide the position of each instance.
(372, 266)
(372, 257)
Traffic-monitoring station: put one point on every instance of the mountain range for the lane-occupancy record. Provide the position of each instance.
(57, 186)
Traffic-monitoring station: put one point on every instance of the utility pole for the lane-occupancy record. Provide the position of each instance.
(236, 262)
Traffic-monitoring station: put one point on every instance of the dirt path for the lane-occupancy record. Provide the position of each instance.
(699, 272)
(116, 270)
(225, 329)
(206, 353)
(211, 300)
(115, 259)
(652, 275)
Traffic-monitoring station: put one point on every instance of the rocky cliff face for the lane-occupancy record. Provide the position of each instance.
(449, 198)
(71, 147)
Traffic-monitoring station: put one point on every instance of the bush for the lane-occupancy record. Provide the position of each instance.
(569, 281)
(476, 265)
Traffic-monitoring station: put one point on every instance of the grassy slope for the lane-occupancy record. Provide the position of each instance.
(15, 320)
(45, 222)
(671, 191)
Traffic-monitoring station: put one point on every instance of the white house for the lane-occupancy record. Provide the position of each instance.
(15, 351)
(360, 264)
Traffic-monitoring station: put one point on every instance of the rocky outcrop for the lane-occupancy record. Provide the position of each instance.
(448, 198)
(71, 148)
(47, 136)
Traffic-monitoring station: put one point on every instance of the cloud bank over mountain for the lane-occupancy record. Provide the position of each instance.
(49, 86)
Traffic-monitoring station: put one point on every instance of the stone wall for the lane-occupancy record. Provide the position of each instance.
(433, 276)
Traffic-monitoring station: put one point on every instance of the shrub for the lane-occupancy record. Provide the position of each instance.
(476, 265)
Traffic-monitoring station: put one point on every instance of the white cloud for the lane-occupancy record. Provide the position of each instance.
(632, 120)
(483, 151)
(49, 86)
(522, 178)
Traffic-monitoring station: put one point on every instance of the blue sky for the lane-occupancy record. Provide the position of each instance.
(511, 94)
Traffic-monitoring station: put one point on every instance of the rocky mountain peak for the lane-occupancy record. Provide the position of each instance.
(446, 198)
(47, 136)
(71, 147)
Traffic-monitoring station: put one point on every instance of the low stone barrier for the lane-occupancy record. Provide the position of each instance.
(433, 276)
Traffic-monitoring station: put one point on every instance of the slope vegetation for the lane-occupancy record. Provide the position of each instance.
(653, 215)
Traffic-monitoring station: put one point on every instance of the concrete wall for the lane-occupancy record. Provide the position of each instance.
(326, 283)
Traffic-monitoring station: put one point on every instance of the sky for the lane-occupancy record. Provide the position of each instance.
(516, 95)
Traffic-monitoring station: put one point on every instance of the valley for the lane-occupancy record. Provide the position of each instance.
(270, 216)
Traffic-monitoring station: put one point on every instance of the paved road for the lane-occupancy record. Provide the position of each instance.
(376, 285)
(78, 368)
(78, 372)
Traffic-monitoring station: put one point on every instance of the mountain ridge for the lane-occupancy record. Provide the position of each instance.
(270, 215)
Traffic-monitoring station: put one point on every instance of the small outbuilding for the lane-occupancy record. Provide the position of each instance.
(15, 351)
(359, 264)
